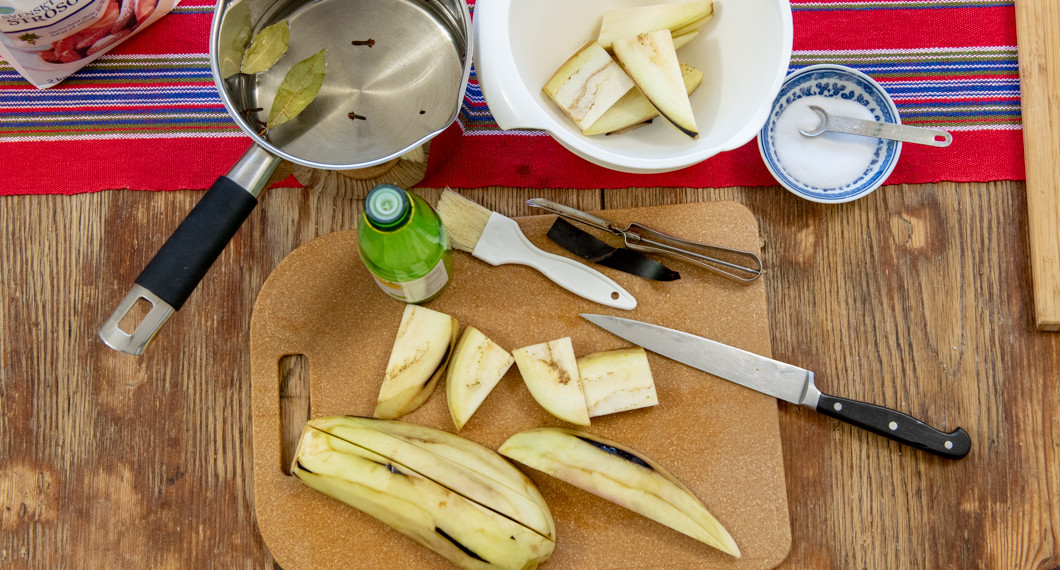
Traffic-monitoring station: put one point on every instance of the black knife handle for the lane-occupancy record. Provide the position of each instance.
(895, 425)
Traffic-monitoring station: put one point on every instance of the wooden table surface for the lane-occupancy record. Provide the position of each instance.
(916, 297)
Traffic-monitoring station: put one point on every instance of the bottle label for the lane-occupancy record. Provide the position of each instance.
(416, 290)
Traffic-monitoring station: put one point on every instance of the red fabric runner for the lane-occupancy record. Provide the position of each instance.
(147, 116)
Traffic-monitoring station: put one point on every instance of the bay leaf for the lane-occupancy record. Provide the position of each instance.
(267, 47)
(298, 89)
(236, 29)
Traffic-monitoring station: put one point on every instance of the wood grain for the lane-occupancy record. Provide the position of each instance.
(915, 297)
(1039, 61)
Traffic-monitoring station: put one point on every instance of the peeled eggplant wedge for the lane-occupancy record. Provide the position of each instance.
(650, 60)
(550, 372)
(679, 18)
(476, 367)
(453, 496)
(587, 84)
(634, 108)
(422, 347)
(617, 381)
(683, 39)
(621, 475)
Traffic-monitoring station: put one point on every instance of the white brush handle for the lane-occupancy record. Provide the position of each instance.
(502, 242)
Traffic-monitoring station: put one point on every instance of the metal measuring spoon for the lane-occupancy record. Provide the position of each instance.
(891, 131)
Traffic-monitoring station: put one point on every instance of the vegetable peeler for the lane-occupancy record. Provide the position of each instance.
(735, 264)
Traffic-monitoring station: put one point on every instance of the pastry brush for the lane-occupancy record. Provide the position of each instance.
(497, 240)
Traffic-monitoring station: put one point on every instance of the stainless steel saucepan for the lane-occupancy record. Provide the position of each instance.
(403, 87)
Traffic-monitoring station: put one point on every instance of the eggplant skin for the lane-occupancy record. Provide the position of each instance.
(457, 544)
(621, 453)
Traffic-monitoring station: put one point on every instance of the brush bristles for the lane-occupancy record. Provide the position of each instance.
(463, 219)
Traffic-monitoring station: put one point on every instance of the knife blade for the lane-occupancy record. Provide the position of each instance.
(784, 381)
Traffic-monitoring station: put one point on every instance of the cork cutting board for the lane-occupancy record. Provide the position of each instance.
(720, 439)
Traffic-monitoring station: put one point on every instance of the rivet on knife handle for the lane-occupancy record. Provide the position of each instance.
(895, 425)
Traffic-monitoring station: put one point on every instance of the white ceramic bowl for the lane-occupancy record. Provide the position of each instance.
(743, 51)
(813, 178)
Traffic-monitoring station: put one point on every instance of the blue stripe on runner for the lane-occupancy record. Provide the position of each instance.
(974, 88)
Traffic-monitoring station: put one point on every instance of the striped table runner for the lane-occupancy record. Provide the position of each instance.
(148, 116)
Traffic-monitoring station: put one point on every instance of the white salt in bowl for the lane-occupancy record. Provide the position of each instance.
(743, 52)
(831, 167)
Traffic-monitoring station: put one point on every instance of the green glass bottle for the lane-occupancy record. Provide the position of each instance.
(404, 246)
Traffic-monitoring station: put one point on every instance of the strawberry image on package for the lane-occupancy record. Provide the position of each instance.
(48, 40)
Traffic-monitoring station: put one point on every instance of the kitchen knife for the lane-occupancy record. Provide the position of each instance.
(783, 381)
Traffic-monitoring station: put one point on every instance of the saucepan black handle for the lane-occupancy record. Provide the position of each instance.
(178, 267)
(895, 425)
(180, 264)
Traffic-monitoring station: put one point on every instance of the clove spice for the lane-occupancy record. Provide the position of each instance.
(248, 114)
(354, 116)
(369, 42)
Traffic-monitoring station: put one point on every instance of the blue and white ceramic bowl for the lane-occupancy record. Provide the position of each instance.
(811, 180)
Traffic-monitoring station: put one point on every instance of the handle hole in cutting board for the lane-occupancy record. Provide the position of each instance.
(293, 376)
